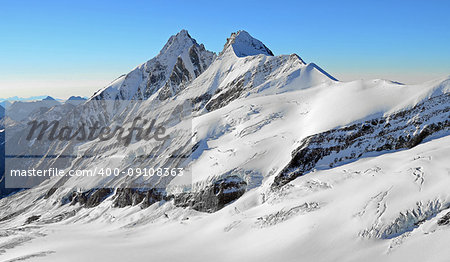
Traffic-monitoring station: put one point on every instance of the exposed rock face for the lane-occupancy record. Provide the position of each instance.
(199, 59)
(132, 196)
(32, 219)
(445, 220)
(212, 198)
(61, 217)
(401, 130)
(91, 198)
(215, 196)
(180, 75)
(228, 94)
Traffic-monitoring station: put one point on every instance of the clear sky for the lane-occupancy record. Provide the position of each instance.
(64, 48)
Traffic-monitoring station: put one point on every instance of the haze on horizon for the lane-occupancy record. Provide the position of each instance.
(75, 48)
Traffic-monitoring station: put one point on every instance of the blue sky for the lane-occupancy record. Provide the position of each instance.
(64, 48)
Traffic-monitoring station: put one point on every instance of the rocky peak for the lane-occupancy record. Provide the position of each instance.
(243, 44)
(179, 62)
(177, 43)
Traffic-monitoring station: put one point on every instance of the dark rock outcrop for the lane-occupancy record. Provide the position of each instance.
(133, 196)
(215, 196)
(177, 79)
(91, 198)
(210, 199)
(32, 219)
(445, 220)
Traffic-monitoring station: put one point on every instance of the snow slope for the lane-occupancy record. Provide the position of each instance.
(342, 214)
(259, 134)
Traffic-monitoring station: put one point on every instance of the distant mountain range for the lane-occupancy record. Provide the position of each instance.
(36, 98)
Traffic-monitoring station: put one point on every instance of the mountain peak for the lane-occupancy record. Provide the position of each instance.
(76, 98)
(181, 40)
(243, 44)
(180, 61)
(48, 98)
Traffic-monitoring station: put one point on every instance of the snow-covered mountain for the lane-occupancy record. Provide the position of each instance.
(180, 61)
(285, 162)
